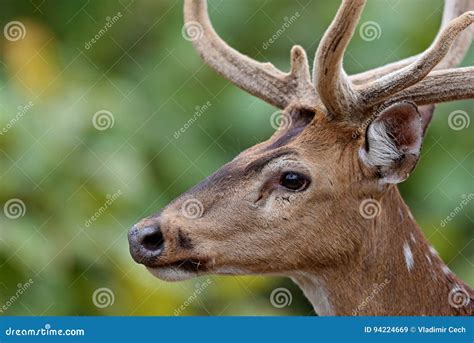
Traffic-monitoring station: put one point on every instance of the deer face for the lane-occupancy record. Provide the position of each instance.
(259, 203)
(273, 209)
(293, 200)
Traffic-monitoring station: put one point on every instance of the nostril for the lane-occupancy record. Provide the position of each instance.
(146, 244)
(153, 241)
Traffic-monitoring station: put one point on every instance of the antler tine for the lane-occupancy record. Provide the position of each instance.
(441, 86)
(332, 83)
(376, 73)
(260, 79)
(385, 87)
(452, 10)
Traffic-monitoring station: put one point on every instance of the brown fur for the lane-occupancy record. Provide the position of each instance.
(318, 232)
(246, 222)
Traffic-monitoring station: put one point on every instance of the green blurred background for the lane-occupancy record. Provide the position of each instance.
(150, 80)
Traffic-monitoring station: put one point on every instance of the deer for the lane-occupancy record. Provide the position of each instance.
(318, 202)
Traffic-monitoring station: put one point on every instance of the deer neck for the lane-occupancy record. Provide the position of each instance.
(395, 271)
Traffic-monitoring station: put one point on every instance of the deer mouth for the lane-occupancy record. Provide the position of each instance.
(179, 270)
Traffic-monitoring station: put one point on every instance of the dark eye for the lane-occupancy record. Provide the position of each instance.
(294, 181)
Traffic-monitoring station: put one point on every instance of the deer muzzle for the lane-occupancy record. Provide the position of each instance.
(165, 249)
(146, 244)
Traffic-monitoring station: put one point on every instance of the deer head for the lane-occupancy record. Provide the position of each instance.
(302, 203)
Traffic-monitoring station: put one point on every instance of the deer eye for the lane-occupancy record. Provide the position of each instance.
(294, 181)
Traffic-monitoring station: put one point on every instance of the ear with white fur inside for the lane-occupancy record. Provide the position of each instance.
(393, 142)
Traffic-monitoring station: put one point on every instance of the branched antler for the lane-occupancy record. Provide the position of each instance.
(343, 99)
(386, 86)
(260, 79)
(441, 86)
(423, 79)
(452, 10)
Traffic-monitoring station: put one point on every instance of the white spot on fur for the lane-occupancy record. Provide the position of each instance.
(412, 236)
(429, 259)
(400, 211)
(433, 251)
(408, 256)
(446, 270)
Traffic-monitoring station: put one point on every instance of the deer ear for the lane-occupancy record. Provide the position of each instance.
(393, 142)
(426, 113)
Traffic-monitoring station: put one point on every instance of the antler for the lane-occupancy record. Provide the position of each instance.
(441, 86)
(452, 10)
(333, 86)
(386, 86)
(260, 79)
(343, 98)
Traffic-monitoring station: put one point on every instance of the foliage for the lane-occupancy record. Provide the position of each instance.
(147, 76)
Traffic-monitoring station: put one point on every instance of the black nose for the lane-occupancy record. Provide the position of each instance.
(146, 244)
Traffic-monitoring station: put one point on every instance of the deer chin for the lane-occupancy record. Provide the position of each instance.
(179, 270)
(188, 269)
(171, 273)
